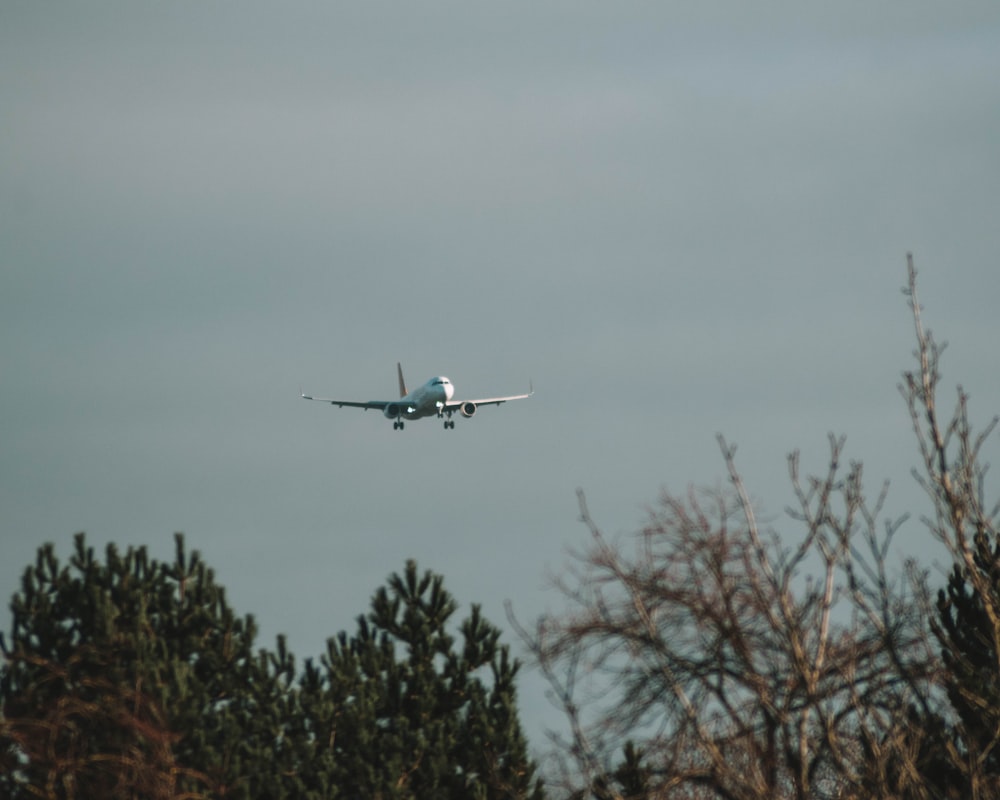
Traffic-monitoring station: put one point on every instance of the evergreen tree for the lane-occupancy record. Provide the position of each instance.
(130, 678)
(969, 631)
(134, 665)
(629, 781)
(402, 710)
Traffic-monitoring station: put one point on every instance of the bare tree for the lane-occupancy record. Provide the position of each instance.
(743, 667)
(967, 619)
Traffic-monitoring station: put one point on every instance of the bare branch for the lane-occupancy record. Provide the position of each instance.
(745, 668)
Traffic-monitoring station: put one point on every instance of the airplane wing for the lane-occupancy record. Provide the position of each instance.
(487, 401)
(379, 404)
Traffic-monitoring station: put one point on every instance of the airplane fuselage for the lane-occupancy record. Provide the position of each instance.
(428, 400)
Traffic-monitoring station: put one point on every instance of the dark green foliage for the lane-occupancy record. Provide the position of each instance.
(401, 688)
(160, 636)
(969, 641)
(134, 679)
(629, 781)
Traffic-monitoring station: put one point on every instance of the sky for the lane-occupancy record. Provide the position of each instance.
(673, 219)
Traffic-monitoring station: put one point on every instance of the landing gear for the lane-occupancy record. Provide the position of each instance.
(449, 423)
(397, 425)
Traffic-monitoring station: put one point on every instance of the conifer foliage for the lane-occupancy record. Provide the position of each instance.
(967, 628)
(131, 678)
(439, 713)
(132, 675)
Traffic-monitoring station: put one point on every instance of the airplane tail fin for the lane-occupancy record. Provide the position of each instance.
(402, 383)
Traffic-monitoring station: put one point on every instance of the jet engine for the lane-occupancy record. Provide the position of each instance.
(391, 410)
(468, 408)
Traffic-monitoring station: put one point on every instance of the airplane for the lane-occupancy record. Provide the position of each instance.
(434, 398)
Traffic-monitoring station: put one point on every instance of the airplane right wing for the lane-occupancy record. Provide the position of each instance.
(379, 404)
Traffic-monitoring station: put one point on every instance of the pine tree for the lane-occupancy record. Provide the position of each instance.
(130, 678)
(403, 710)
(630, 780)
(969, 632)
(134, 665)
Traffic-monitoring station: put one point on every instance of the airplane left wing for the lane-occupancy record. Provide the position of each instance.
(488, 401)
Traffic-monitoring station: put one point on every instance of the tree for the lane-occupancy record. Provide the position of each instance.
(739, 679)
(134, 679)
(967, 619)
(56, 744)
(403, 710)
(743, 667)
(131, 674)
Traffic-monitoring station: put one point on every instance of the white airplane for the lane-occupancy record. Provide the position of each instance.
(434, 398)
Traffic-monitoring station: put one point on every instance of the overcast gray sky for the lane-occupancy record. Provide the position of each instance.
(677, 219)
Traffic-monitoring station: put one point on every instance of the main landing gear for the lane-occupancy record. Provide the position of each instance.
(449, 422)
